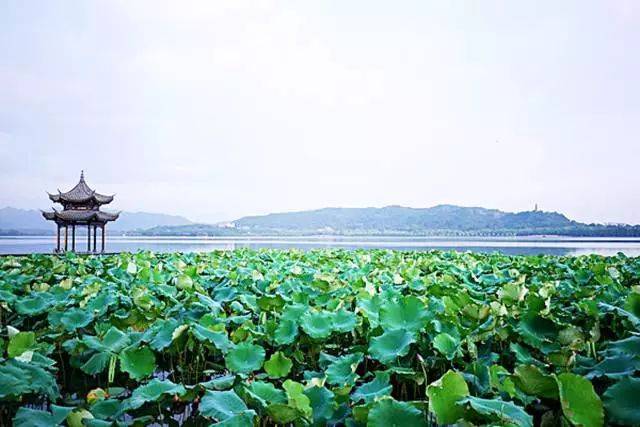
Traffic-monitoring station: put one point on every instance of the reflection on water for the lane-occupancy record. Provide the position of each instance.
(510, 246)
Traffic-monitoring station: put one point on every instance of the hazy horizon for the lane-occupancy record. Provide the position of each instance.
(215, 111)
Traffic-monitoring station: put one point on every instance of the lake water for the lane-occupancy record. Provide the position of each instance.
(512, 246)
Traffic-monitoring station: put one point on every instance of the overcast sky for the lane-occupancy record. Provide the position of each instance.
(219, 109)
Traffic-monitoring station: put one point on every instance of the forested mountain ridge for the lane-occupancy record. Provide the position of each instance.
(445, 220)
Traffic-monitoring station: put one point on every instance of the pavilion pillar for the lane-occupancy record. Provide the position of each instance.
(103, 237)
(88, 237)
(73, 237)
(95, 236)
(66, 237)
(58, 238)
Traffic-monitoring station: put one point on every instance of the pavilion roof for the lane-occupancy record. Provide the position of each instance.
(80, 215)
(81, 193)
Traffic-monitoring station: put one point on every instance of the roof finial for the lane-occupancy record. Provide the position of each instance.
(82, 175)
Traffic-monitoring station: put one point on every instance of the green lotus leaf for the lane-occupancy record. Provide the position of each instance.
(98, 423)
(371, 308)
(633, 318)
(219, 339)
(245, 358)
(18, 378)
(96, 364)
(21, 342)
(360, 414)
(342, 371)
(537, 330)
(523, 355)
(286, 332)
(282, 413)
(114, 341)
(75, 318)
(512, 293)
(270, 303)
(138, 362)
(278, 365)
(389, 412)
(223, 382)
(26, 417)
(160, 336)
(500, 380)
(344, 321)
(184, 282)
(409, 313)
(446, 344)
(267, 393)
(318, 325)
(34, 305)
(580, 403)
(294, 312)
(105, 409)
(226, 406)
(632, 304)
(534, 382)
(75, 418)
(615, 367)
(296, 397)
(374, 389)
(444, 395)
(622, 401)
(391, 345)
(153, 391)
(495, 408)
(629, 345)
(322, 402)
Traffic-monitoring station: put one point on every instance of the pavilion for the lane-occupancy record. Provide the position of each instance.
(80, 207)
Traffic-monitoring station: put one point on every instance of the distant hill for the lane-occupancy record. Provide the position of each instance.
(30, 221)
(441, 220)
(447, 220)
(403, 219)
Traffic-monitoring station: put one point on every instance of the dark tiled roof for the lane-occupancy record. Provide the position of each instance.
(81, 193)
(77, 215)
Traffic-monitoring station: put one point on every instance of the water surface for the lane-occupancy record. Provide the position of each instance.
(512, 246)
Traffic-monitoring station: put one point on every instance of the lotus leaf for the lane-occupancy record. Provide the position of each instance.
(245, 358)
(532, 381)
(138, 362)
(444, 394)
(446, 344)
(391, 413)
(374, 389)
(278, 365)
(152, 392)
(580, 403)
(322, 402)
(320, 337)
(622, 401)
(317, 325)
(391, 345)
(342, 371)
(407, 313)
(21, 342)
(504, 411)
(26, 417)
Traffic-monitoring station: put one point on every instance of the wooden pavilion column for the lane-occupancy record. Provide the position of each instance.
(58, 238)
(66, 237)
(88, 237)
(103, 225)
(95, 236)
(73, 237)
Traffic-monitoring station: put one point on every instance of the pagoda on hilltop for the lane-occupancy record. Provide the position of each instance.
(80, 207)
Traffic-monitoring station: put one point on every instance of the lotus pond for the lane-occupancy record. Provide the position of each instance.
(330, 337)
